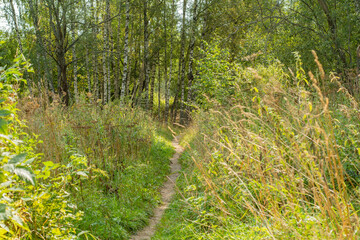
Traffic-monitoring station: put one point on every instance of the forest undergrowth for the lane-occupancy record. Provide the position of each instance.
(80, 172)
(126, 154)
(272, 156)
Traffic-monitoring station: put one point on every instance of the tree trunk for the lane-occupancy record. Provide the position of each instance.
(105, 82)
(191, 54)
(159, 87)
(358, 66)
(76, 93)
(333, 29)
(95, 55)
(146, 54)
(168, 79)
(110, 52)
(182, 59)
(124, 82)
(152, 79)
(117, 90)
(105, 59)
(18, 38)
(63, 87)
(13, 15)
(88, 69)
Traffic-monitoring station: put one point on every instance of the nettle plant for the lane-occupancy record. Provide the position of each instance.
(34, 194)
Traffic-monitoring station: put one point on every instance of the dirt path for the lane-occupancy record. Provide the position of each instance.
(167, 191)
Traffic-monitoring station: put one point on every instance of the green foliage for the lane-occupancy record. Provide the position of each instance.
(215, 78)
(124, 154)
(279, 161)
(35, 201)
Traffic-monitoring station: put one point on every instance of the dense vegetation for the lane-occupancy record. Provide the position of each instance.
(279, 161)
(264, 93)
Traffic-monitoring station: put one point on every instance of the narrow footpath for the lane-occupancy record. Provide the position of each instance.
(167, 191)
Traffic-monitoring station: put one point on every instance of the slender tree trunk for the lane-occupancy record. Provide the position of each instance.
(18, 38)
(110, 54)
(95, 53)
(159, 87)
(60, 32)
(168, 80)
(124, 82)
(105, 59)
(358, 66)
(88, 69)
(13, 15)
(146, 54)
(76, 92)
(182, 64)
(333, 29)
(191, 54)
(166, 90)
(117, 90)
(152, 79)
(105, 82)
(138, 82)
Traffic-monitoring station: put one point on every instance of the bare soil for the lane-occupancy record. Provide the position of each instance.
(167, 191)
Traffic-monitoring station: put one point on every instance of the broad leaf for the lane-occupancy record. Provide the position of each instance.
(4, 113)
(3, 215)
(3, 126)
(25, 174)
(18, 159)
(81, 173)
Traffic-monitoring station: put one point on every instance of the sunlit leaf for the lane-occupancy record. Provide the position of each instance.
(25, 174)
(3, 126)
(18, 159)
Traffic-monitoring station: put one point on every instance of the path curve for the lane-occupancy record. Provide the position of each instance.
(167, 191)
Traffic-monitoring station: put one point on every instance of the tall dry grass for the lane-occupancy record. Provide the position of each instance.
(278, 158)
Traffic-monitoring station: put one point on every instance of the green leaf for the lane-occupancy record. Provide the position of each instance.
(4, 113)
(81, 173)
(9, 167)
(25, 174)
(49, 163)
(3, 126)
(16, 219)
(3, 226)
(3, 215)
(18, 159)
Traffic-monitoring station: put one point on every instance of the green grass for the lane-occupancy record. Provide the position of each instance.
(128, 159)
(119, 214)
(281, 162)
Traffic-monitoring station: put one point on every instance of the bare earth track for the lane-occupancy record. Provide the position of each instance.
(167, 191)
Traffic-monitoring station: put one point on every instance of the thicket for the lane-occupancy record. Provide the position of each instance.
(85, 172)
(127, 154)
(274, 156)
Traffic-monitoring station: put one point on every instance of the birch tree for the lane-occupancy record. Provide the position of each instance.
(124, 81)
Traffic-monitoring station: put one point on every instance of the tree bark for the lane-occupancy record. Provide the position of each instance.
(168, 79)
(146, 54)
(191, 54)
(159, 87)
(105, 81)
(182, 60)
(95, 55)
(124, 82)
(152, 79)
(76, 92)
